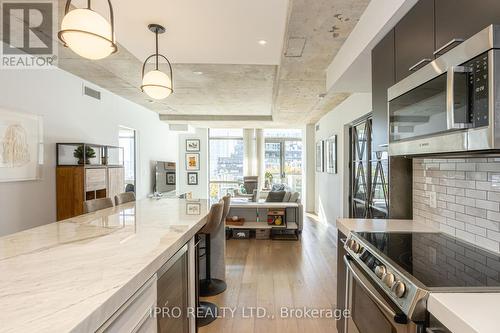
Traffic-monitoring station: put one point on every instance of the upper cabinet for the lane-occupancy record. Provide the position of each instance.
(382, 78)
(414, 38)
(461, 19)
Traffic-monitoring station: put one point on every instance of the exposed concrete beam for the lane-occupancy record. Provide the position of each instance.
(172, 117)
(350, 70)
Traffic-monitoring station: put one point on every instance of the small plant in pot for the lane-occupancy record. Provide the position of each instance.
(79, 154)
(268, 179)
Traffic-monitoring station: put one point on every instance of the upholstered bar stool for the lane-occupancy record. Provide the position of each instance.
(207, 312)
(124, 198)
(210, 286)
(97, 204)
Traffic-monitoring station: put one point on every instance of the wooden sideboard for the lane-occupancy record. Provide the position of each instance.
(76, 184)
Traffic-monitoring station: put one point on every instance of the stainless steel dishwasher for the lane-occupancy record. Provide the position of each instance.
(173, 298)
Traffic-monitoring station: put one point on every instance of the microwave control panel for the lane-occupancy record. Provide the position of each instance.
(478, 90)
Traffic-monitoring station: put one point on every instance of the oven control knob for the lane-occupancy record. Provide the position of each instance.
(388, 279)
(380, 271)
(355, 247)
(399, 289)
(348, 243)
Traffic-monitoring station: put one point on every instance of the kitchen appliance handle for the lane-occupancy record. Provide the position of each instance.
(419, 64)
(399, 318)
(439, 51)
(450, 98)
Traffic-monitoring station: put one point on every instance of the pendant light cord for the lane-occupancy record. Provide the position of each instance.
(156, 33)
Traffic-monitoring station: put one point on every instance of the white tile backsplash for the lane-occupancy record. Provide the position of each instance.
(468, 198)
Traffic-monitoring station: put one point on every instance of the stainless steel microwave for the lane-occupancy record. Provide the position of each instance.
(451, 104)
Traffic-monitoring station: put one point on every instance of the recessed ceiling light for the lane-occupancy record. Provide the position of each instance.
(198, 72)
(262, 42)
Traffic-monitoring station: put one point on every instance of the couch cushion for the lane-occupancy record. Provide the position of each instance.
(275, 196)
(294, 197)
(287, 196)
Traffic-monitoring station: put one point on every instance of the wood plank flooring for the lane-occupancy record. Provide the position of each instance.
(274, 274)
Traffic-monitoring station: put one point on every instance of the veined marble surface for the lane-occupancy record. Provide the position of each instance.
(382, 225)
(74, 274)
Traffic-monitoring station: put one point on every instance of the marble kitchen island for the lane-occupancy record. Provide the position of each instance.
(73, 275)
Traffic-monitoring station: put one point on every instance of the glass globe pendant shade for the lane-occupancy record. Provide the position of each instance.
(157, 84)
(88, 34)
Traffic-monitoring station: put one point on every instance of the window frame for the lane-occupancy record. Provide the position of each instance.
(221, 138)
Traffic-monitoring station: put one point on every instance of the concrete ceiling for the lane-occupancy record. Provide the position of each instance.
(243, 84)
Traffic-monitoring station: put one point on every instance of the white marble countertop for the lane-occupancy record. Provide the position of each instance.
(346, 225)
(74, 274)
(459, 312)
(466, 312)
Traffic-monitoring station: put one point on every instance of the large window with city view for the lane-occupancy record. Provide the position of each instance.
(283, 158)
(226, 161)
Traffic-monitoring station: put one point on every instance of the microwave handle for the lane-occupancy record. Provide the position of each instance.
(450, 98)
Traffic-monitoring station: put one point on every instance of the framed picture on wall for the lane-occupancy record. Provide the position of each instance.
(192, 162)
(331, 154)
(170, 178)
(192, 178)
(21, 146)
(193, 208)
(319, 156)
(192, 145)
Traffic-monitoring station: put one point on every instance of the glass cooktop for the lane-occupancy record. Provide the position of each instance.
(437, 260)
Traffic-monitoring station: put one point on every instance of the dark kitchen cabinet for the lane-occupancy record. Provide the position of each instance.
(414, 37)
(383, 77)
(463, 18)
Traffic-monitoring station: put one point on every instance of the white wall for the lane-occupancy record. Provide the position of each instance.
(309, 173)
(199, 191)
(69, 116)
(332, 190)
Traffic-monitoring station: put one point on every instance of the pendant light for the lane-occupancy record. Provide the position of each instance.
(87, 33)
(155, 83)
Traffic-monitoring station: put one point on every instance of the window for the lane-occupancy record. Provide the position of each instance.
(369, 188)
(226, 161)
(126, 139)
(283, 157)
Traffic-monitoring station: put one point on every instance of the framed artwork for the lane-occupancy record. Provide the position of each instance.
(331, 154)
(21, 146)
(192, 178)
(319, 156)
(170, 178)
(193, 208)
(192, 145)
(192, 162)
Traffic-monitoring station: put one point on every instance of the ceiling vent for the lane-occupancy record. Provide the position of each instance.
(91, 92)
(295, 47)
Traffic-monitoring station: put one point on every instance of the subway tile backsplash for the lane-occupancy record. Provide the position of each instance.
(461, 197)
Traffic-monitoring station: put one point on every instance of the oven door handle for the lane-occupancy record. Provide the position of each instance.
(399, 318)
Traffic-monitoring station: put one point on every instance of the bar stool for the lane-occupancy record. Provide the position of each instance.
(210, 286)
(90, 206)
(207, 312)
(124, 198)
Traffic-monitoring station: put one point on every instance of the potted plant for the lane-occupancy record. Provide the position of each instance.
(268, 179)
(79, 154)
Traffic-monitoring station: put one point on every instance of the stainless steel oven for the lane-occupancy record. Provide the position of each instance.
(370, 311)
(452, 104)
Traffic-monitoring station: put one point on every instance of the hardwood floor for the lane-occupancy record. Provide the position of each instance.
(274, 274)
